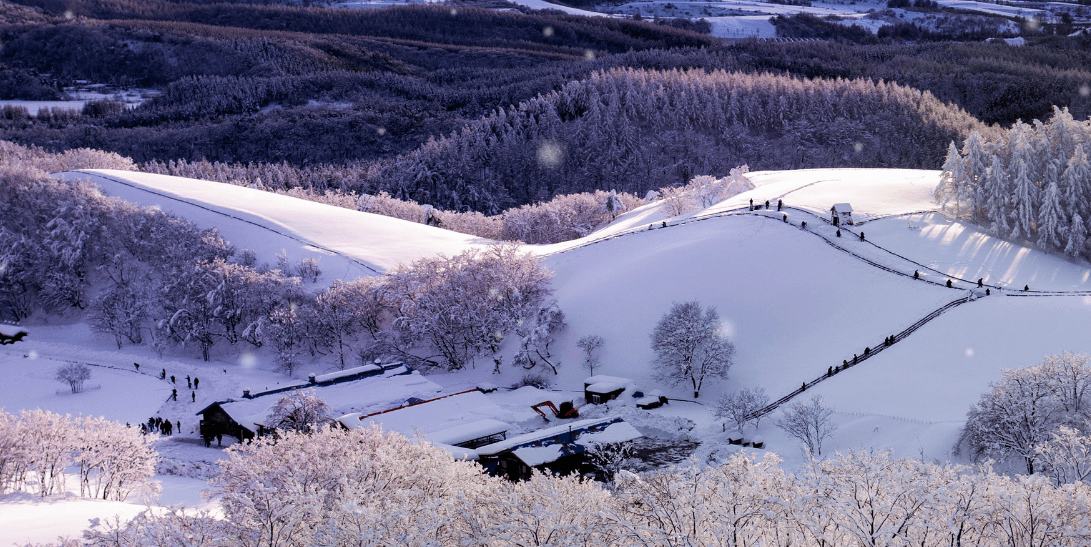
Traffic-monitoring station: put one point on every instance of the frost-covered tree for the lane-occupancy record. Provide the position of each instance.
(811, 423)
(300, 410)
(953, 180)
(536, 335)
(1077, 237)
(73, 374)
(338, 311)
(881, 500)
(690, 345)
(48, 438)
(739, 407)
(610, 458)
(996, 196)
(1069, 375)
(591, 346)
(286, 334)
(1066, 456)
(975, 160)
(1076, 184)
(461, 307)
(1023, 201)
(114, 460)
(1016, 415)
(1051, 222)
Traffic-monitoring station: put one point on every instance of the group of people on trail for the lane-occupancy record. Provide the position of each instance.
(758, 207)
(159, 425)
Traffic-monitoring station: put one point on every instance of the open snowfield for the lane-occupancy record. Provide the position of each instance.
(795, 302)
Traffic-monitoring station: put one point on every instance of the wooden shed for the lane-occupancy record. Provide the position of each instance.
(842, 214)
(601, 388)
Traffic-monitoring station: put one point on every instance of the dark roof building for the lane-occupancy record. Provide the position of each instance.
(561, 449)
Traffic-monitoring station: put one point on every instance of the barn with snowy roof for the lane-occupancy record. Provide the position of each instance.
(363, 389)
(561, 449)
(458, 422)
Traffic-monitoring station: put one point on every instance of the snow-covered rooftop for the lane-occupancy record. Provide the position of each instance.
(11, 330)
(550, 444)
(451, 419)
(366, 395)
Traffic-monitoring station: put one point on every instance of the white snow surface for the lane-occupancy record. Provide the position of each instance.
(349, 243)
(365, 395)
(447, 420)
(794, 302)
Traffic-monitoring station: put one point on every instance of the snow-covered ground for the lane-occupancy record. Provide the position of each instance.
(81, 95)
(349, 244)
(795, 301)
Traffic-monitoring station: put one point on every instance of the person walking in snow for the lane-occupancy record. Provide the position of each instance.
(137, 365)
(195, 382)
(174, 394)
(163, 375)
(194, 395)
(172, 379)
(189, 383)
(779, 204)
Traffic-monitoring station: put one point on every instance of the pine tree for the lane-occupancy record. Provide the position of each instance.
(952, 180)
(996, 189)
(1051, 228)
(1077, 237)
(1076, 184)
(1022, 214)
(974, 158)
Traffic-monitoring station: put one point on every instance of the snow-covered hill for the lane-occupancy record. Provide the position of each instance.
(795, 302)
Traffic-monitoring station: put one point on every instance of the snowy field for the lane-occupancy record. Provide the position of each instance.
(795, 302)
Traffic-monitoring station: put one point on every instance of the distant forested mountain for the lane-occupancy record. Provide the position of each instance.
(348, 91)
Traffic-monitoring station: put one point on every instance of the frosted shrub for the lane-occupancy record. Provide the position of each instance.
(74, 374)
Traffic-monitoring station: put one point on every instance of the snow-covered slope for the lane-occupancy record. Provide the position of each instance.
(349, 243)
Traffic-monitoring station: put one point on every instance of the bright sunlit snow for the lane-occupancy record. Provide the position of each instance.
(794, 301)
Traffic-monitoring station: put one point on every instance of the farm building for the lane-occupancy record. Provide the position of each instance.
(561, 449)
(601, 388)
(355, 390)
(842, 214)
(459, 422)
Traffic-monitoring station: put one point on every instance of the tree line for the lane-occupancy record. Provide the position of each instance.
(1031, 183)
(368, 487)
(637, 130)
